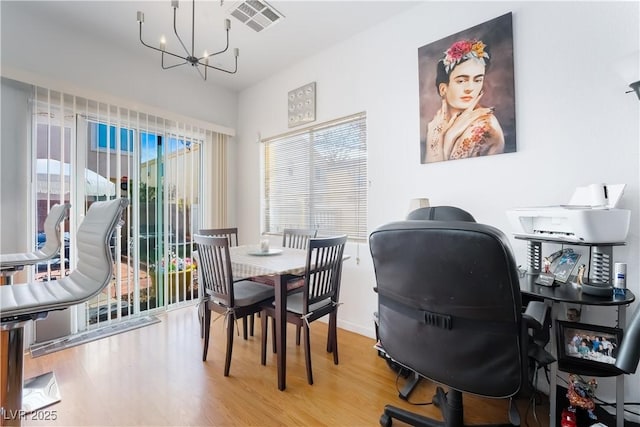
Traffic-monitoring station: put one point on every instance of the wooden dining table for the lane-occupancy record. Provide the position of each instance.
(247, 261)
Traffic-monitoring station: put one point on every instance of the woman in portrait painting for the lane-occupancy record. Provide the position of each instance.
(462, 127)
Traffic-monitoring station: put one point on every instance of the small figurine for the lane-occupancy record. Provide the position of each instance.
(580, 275)
(551, 258)
(580, 394)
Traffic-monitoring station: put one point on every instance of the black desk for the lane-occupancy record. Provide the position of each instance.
(572, 293)
(568, 292)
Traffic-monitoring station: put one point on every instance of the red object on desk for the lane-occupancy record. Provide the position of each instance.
(568, 418)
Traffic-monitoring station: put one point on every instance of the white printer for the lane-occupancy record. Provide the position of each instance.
(590, 217)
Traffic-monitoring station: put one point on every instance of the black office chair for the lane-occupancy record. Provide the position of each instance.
(431, 213)
(441, 213)
(450, 310)
(629, 350)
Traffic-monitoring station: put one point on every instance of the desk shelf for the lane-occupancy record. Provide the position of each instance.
(600, 256)
(570, 292)
(565, 241)
(571, 368)
(599, 273)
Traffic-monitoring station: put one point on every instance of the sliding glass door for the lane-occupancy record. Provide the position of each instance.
(102, 152)
(159, 171)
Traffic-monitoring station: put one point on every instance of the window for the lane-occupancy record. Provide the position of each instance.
(317, 178)
(98, 132)
(100, 141)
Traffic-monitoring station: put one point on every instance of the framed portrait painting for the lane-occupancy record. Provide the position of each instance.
(467, 94)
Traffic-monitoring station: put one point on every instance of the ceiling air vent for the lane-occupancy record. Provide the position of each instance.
(257, 15)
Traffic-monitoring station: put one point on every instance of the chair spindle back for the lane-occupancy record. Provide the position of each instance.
(230, 233)
(214, 268)
(324, 269)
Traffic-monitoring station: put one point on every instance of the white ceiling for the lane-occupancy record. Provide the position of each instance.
(307, 28)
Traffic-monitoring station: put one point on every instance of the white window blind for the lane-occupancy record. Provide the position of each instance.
(317, 178)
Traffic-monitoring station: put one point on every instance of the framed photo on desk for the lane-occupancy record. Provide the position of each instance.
(583, 347)
(566, 264)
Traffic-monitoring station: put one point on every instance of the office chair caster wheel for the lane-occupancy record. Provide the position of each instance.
(385, 420)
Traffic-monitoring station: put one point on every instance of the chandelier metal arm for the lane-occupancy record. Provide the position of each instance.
(204, 76)
(220, 69)
(170, 66)
(175, 30)
(159, 50)
(217, 53)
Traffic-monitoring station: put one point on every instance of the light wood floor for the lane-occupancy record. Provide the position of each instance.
(154, 376)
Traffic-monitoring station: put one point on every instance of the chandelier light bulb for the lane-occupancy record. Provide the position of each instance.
(163, 43)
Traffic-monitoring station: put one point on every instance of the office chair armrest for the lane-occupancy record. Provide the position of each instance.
(629, 350)
(536, 318)
(535, 315)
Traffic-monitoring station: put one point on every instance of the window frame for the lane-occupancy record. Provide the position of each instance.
(107, 143)
(356, 227)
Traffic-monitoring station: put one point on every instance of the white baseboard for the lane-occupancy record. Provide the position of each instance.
(358, 329)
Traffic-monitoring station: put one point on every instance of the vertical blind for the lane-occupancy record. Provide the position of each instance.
(156, 162)
(317, 178)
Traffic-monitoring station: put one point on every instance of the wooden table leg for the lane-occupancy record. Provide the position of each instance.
(281, 331)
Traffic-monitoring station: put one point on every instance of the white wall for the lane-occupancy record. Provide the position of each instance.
(575, 124)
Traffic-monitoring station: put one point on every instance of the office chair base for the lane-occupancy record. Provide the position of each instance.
(23, 397)
(449, 403)
(40, 392)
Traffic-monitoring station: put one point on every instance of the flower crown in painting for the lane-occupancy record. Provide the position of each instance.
(461, 51)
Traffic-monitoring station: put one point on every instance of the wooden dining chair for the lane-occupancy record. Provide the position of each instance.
(297, 238)
(222, 294)
(319, 296)
(230, 233)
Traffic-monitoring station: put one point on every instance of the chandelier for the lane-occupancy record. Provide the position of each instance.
(189, 56)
